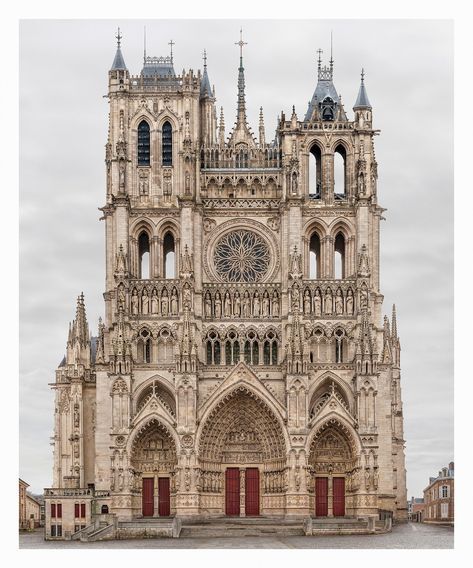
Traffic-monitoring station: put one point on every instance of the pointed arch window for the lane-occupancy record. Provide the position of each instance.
(339, 172)
(339, 261)
(169, 256)
(143, 256)
(314, 256)
(143, 144)
(167, 144)
(315, 172)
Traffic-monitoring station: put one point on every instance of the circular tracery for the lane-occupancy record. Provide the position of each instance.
(241, 256)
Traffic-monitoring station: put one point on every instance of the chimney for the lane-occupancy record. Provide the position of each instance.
(451, 466)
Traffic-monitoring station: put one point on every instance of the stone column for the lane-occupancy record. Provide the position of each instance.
(330, 495)
(242, 491)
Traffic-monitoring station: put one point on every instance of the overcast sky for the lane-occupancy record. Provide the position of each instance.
(63, 129)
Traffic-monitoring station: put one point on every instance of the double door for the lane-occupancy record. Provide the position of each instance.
(232, 491)
(321, 496)
(164, 497)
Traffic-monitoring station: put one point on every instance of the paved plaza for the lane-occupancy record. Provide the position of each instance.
(411, 535)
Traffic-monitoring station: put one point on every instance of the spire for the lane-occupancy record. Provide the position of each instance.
(78, 343)
(262, 140)
(241, 117)
(241, 132)
(221, 129)
(118, 62)
(205, 89)
(362, 100)
(171, 43)
(144, 45)
(394, 323)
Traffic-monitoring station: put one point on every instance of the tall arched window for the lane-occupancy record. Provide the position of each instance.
(143, 144)
(143, 256)
(232, 349)
(314, 256)
(144, 347)
(315, 172)
(213, 349)
(339, 256)
(169, 256)
(167, 144)
(339, 172)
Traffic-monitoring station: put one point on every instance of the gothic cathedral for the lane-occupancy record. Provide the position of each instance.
(242, 367)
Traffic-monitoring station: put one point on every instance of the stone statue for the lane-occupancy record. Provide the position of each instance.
(307, 302)
(144, 302)
(218, 306)
(350, 302)
(256, 305)
(275, 305)
(328, 302)
(121, 297)
(339, 303)
(363, 298)
(317, 301)
(121, 174)
(265, 304)
(186, 296)
(237, 305)
(246, 305)
(295, 298)
(227, 306)
(164, 303)
(154, 302)
(208, 306)
(174, 305)
(134, 302)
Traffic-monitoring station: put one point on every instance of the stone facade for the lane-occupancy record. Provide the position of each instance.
(439, 497)
(243, 327)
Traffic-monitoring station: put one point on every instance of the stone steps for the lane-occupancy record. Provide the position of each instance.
(240, 527)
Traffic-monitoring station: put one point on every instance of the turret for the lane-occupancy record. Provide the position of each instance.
(118, 75)
(362, 108)
(325, 101)
(209, 114)
(78, 344)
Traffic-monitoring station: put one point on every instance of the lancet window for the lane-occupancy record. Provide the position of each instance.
(315, 172)
(143, 255)
(314, 256)
(143, 144)
(340, 172)
(339, 261)
(167, 144)
(169, 256)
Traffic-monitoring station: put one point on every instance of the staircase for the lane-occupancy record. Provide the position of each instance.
(338, 525)
(241, 527)
(149, 528)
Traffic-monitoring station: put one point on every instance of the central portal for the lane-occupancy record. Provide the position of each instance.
(233, 486)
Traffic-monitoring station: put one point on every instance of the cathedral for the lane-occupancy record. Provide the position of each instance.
(243, 367)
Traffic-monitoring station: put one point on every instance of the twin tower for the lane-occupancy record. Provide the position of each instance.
(243, 366)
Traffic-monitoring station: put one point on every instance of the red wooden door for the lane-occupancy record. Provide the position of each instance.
(148, 497)
(252, 491)
(321, 496)
(164, 497)
(232, 491)
(338, 496)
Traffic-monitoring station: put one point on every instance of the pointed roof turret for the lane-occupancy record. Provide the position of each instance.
(394, 323)
(118, 62)
(362, 100)
(221, 129)
(205, 88)
(78, 344)
(262, 137)
(324, 91)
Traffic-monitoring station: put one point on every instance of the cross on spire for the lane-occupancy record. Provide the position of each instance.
(171, 43)
(241, 43)
(205, 58)
(119, 37)
(319, 52)
(362, 75)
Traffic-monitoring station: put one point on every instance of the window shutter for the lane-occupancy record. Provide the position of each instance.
(53, 510)
(82, 510)
(59, 510)
(76, 510)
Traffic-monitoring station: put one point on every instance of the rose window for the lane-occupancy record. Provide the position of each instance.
(241, 256)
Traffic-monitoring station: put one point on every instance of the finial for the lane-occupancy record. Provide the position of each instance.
(241, 43)
(319, 60)
(119, 37)
(331, 49)
(362, 75)
(205, 58)
(171, 43)
(144, 44)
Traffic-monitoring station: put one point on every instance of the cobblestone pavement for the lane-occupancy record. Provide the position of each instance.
(411, 535)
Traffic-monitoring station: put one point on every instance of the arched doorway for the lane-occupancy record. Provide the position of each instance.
(243, 458)
(153, 462)
(333, 466)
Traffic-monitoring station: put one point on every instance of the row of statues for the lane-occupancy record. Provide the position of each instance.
(164, 304)
(317, 303)
(245, 305)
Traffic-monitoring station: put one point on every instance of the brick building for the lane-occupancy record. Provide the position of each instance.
(439, 497)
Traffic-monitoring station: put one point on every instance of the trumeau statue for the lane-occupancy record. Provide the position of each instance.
(229, 364)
